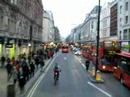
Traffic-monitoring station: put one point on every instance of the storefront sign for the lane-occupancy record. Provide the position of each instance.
(9, 45)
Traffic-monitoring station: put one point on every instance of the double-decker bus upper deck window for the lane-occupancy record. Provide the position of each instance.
(125, 64)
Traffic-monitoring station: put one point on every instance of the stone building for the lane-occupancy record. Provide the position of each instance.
(48, 34)
(20, 25)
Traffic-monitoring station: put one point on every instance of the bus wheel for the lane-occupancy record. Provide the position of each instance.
(122, 80)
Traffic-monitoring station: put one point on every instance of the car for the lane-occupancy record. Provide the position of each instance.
(78, 52)
(65, 49)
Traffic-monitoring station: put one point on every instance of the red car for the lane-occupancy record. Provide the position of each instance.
(122, 71)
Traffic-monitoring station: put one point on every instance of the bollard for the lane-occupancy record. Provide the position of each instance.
(98, 76)
(11, 90)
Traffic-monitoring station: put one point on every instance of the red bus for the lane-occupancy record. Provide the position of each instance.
(86, 52)
(122, 70)
(65, 49)
(107, 52)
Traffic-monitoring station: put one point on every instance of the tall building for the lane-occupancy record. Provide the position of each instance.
(57, 37)
(105, 23)
(114, 20)
(20, 24)
(89, 26)
(87, 31)
(48, 34)
(124, 23)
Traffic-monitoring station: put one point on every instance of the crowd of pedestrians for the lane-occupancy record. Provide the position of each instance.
(24, 67)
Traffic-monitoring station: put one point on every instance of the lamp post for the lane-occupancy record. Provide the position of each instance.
(98, 36)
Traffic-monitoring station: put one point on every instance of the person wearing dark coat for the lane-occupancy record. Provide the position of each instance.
(25, 69)
(37, 61)
(87, 64)
(21, 80)
(9, 70)
(2, 61)
(32, 68)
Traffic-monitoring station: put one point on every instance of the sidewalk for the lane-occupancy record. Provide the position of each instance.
(4, 83)
(32, 81)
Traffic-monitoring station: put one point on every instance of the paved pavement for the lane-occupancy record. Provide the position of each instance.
(3, 82)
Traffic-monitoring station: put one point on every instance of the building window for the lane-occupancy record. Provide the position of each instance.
(1, 17)
(1, 21)
(129, 33)
(120, 19)
(120, 35)
(126, 19)
(92, 25)
(125, 36)
(120, 9)
(126, 6)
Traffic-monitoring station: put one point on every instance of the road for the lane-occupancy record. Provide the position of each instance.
(74, 82)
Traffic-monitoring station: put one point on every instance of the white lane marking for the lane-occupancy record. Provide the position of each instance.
(80, 62)
(39, 80)
(104, 92)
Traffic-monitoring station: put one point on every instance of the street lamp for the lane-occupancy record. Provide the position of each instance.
(98, 36)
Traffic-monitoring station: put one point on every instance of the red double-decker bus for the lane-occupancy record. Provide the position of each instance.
(107, 51)
(87, 52)
(122, 70)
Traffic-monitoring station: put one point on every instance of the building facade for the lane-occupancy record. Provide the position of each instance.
(20, 24)
(48, 34)
(105, 23)
(114, 21)
(124, 23)
(87, 31)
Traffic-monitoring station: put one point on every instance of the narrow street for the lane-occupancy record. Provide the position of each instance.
(74, 82)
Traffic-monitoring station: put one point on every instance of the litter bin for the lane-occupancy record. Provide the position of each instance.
(11, 90)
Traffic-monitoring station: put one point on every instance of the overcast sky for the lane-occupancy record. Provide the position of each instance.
(69, 13)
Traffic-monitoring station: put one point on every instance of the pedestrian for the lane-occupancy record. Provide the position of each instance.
(13, 61)
(9, 69)
(21, 80)
(42, 63)
(32, 68)
(87, 62)
(37, 61)
(17, 65)
(29, 59)
(14, 74)
(2, 61)
(25, 69)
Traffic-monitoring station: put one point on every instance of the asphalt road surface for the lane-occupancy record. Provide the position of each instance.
(74, 81)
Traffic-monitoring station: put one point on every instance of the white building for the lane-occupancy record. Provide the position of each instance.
(48, 27)
(89, 27)
(87, 31)
(105, 22)
(124, 21)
